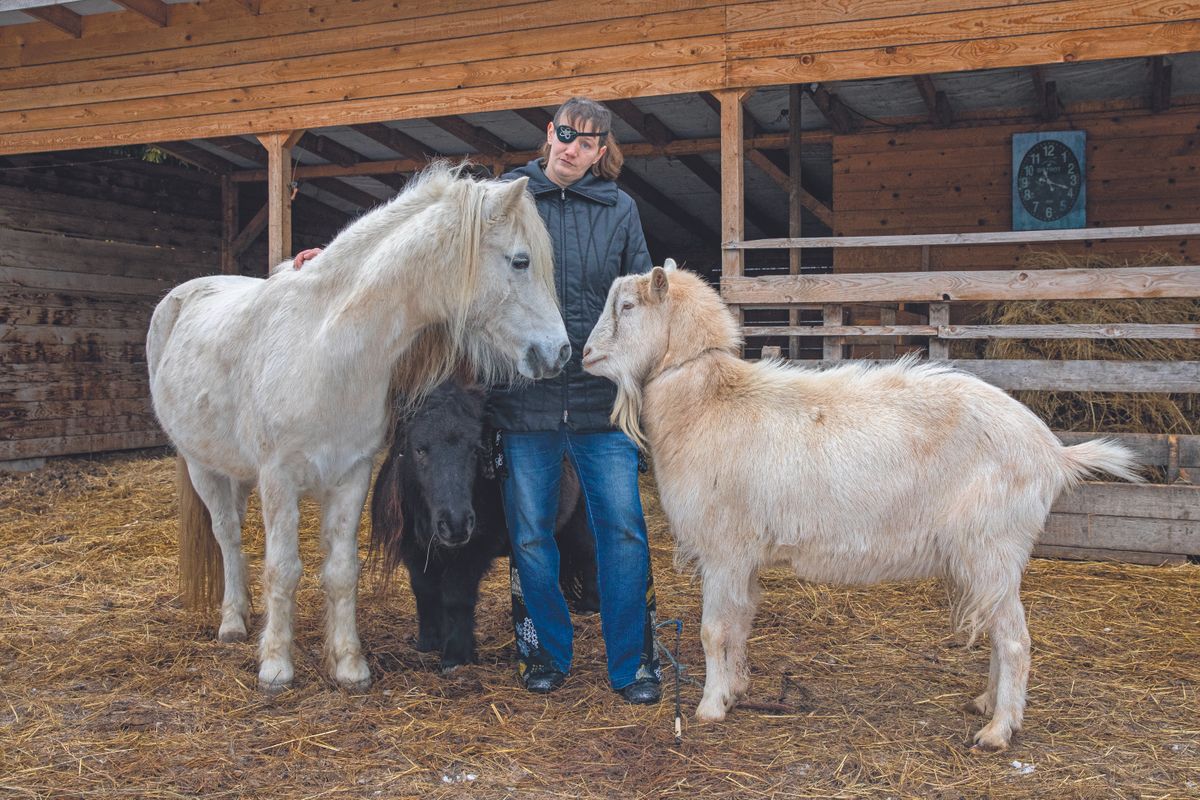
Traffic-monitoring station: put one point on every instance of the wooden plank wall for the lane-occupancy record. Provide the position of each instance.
(81, 277)
(218, 69)
(1143, 169)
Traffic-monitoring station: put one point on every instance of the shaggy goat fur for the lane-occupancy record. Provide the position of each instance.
(855, 474)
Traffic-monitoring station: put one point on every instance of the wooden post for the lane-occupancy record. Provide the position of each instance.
(279, 194)
(795, 228)
(833, 316)
(939, 315)
(733, 210)
(229, 220)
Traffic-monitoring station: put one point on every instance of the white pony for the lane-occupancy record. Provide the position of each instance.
(283, 383)
(850, 475)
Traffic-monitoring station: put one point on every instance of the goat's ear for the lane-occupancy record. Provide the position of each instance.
(669, 265)
(658, 284)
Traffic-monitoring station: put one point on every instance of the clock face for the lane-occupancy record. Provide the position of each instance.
(1049, 180)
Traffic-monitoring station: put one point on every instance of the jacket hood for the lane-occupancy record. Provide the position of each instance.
(598, 190)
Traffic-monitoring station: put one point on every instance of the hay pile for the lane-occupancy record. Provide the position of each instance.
(109, 689)
(1096, 411)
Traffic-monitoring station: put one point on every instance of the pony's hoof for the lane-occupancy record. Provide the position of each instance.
(710, 710)
(274, 676)
(231, 634)
(992, 738)
(352, 674)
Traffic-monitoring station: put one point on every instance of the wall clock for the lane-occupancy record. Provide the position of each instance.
(1049, 187)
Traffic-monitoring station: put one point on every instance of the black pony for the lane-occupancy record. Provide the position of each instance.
(437, 508)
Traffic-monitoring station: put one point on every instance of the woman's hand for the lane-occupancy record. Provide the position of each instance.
(305, 255)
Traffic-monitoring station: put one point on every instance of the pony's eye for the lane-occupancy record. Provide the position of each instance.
(421, 452)
(520, 261)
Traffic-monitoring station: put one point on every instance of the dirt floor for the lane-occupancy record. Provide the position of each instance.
(108, 688)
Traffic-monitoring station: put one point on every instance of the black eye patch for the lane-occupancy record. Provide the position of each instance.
(566, 134)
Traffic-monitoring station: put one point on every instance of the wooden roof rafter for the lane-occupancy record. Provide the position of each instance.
(1048, 104)
(665, 205)
(154, 10)
(653, 130)
(1160, 84)
(332, 150)
(840, 118)
(254, 153)
(479, 139)
(64, 19)
(941, 114)
(397, 140)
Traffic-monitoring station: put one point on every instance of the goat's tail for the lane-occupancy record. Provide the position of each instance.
(201, 569)
(1100, 456)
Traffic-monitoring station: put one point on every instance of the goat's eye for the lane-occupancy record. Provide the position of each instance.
(628, 304)
(520, 261)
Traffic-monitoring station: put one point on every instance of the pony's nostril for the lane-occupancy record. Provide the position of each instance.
(443, 527)
(470, 522)
(564, 354)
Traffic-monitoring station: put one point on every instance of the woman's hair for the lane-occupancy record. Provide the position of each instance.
(586, 112)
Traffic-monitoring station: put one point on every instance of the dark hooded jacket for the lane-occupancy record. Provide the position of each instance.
(597, 236)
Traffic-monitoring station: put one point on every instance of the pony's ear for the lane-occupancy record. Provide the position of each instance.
(658, 283)
(669, 265)
(508, 197)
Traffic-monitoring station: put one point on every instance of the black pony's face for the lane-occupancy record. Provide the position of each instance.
(441, 461)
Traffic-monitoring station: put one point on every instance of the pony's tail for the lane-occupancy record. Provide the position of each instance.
(387, 511)
(201, 570)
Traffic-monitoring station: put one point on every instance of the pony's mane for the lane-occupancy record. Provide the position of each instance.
(448, 251)
(698, 321)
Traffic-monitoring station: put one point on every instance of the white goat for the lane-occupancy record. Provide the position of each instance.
(853, 475)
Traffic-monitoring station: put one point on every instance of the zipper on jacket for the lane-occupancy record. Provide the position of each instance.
(562, 218)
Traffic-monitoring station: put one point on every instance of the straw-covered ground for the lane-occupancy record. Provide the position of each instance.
(108, 688)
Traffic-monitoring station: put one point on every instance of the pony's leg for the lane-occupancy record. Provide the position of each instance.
(1010, 646)
(728, 609)
(281, 574)
(341, 509)
(226, 503)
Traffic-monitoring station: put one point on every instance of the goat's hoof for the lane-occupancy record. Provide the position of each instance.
(981, 705)
(992, 739)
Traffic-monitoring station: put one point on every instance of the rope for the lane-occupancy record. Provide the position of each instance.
(679, 670)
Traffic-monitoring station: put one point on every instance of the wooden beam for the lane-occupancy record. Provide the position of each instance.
(197, 157)
(795, 201)
(345, 191)
(481, 140)
(648, 126)
(941, 115)
(397, 140)
(64, 19)
(279, 193)
(981, 285)
(652, 129)
(328, 149)
(248, 151)
(990, 237)
(247, 235)
(536, 117)
(1160, 84)
(154, 10)
(733, 181)
(229, 218)
(1048, 104)
(833, 109)
(642, 188)
(250, 5)
(784, 181)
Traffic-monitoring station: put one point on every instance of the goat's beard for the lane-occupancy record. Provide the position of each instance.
(627, 411)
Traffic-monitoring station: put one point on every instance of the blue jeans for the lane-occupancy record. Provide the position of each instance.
(607, 467)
